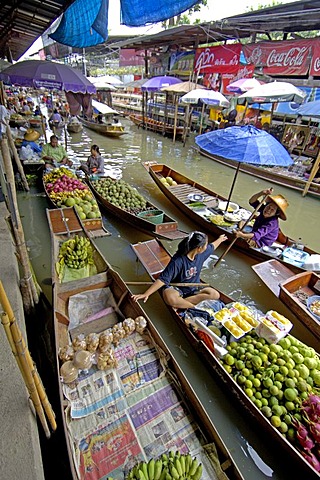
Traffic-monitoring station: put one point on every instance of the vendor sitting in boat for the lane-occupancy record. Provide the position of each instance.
(99, 118)
(54, 154)
(30, 138)
(265, 230)
(184, 269)
(55, 118)
(95, 162)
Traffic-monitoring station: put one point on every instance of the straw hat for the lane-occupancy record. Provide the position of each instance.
(281, 203)
(31, 135)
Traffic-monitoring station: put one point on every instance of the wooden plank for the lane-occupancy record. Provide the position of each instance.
(272, 273)
(152, 256)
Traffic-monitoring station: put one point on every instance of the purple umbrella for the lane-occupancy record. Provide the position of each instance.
(243, 85)
(51, 75)
(156, 83)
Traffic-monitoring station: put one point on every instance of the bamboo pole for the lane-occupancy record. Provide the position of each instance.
(201, 117)
(312, 175)
(172, 284)
(17, 159)
(25, 363)
(243, 226)
(27, 282)
(175, 119)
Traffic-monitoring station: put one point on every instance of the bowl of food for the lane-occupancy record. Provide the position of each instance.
(313, 304)
(232, 207)
(195, 197)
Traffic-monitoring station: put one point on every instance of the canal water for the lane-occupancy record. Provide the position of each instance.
(256, 456)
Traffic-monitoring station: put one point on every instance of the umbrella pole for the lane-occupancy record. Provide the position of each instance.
(201, 118)
(232, 186)
(241, 229)
(312, 175)
(175, 120)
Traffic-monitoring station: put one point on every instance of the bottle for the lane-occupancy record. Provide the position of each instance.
(299, 245)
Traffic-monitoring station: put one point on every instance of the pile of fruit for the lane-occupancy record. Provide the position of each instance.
(66, 190)
(121, 194)
(75, 253)
(172, 466)
(168, 181)
(276, 377)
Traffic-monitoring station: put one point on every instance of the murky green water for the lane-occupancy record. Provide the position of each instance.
(256, 455)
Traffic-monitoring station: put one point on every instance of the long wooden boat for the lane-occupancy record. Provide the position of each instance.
(168, 228)
(156, 125)
(180, 193)
(108, 130)
(74, 127)
(102, 432)
(293, 290)
(154, 257)
(94, 226)
(280, 175)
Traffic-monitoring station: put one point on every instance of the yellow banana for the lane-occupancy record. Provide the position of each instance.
(151, 465)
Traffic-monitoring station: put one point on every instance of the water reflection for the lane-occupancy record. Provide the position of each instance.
(257, 458)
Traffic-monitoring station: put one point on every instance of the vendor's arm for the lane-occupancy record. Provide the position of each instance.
(100, 165)
(152, 289)
(219, 240)
(257, 195)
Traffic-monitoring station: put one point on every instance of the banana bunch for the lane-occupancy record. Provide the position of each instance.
(56, 173)
(76, 252)
(173, 466)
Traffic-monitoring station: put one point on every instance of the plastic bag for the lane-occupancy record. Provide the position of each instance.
(26, 153)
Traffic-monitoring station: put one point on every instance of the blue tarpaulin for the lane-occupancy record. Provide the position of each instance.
(136, 13)
(84, 24)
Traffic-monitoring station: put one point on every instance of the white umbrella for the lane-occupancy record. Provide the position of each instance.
(105, 86)
(105, 79)
(209, 97)
(274, 92)
(243, 85)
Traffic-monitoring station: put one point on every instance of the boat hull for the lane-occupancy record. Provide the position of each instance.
(156, 126)
(107, 277)
(167, 229)
(178, 195)
(74, 127)
(154, 264)
(108, 130)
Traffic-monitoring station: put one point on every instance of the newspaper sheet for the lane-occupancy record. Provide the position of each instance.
(121, 416)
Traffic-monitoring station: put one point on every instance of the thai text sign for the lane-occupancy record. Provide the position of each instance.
(292, 57)
(220, 59)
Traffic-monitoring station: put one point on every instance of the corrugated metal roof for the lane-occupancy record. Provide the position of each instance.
(23, 21)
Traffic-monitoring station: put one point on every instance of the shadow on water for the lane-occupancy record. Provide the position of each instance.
(39, 324)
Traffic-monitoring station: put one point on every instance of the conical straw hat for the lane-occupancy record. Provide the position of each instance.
(31, 135)
(281, 203)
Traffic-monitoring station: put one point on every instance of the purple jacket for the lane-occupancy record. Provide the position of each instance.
(266, 230)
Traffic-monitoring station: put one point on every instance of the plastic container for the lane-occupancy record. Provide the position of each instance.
(153, 216)
(311, 300)
(295, 256)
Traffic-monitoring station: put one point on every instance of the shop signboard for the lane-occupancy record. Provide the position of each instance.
(220, 59)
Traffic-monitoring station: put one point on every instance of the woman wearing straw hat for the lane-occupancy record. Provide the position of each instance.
(30, 138)
(265, 229)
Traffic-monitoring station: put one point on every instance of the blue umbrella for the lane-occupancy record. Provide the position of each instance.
(245, 144)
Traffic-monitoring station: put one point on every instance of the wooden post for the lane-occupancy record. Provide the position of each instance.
(312, 175)
(175, 119)
(201, 117)
(17, 159)
(28, 281)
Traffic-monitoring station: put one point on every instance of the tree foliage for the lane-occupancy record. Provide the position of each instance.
(183, 19)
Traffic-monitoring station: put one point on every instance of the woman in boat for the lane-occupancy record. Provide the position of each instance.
(55, 118)
(265, 229)
(95, 162)
(185, 267)
(30, 138)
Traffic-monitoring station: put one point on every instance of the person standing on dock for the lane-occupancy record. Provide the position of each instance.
(185, 267)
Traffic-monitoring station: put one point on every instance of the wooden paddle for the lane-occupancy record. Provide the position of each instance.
(241, 230)
(312, 175)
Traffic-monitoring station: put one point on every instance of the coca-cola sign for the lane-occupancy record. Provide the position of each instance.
(220, 59)
(291, 57)
(315, 63)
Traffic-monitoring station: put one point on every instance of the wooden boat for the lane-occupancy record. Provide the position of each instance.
(293, 290)
(104, 442)
(167, 228)
(74, 127)
(154, 258)
(156, 126)
(56, 125)
(103, 128)
(179, 195)
(283, 176)
(94, 227)
(35, 122)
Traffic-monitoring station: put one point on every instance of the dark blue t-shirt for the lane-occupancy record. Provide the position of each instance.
(181, 269)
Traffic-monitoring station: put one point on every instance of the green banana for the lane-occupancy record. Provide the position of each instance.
(178, 466)
(183, 464)
(151, 465)
(188, 461)
(157, 469)
(193, 467)
(141, 475)
(144, 468)
(163, 474)
(173, 471)
(198, 473)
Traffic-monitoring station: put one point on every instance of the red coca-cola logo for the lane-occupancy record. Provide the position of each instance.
(316, 64)
(294, 57)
